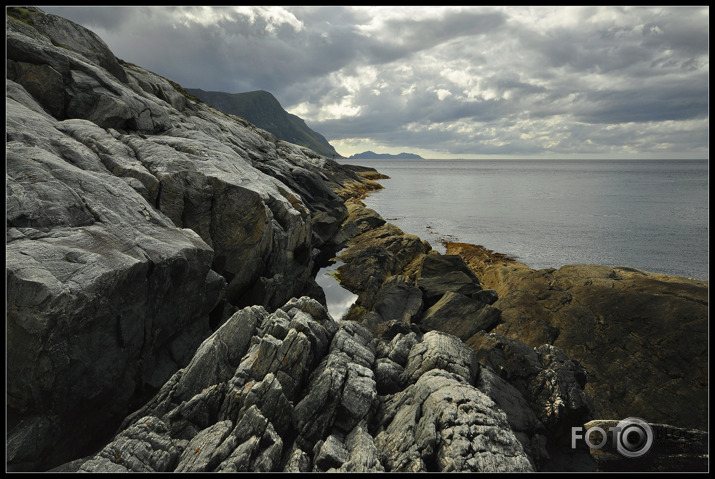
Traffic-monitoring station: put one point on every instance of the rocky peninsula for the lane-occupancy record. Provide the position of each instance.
(162, 311)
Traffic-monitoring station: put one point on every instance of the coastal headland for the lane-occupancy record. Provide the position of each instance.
(163, 314)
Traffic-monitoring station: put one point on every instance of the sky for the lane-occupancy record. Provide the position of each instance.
(444, 81)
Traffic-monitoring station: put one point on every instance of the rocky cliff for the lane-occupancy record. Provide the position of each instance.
(163, 315)
(138, 220)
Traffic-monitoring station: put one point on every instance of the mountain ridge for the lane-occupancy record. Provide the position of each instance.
(261, 108)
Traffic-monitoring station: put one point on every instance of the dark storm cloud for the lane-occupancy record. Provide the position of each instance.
(661, 103)
(454, 80)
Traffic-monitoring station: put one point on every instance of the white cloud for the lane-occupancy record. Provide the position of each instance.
(457, 80)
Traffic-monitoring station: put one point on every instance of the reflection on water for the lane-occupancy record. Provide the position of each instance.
(338, 298)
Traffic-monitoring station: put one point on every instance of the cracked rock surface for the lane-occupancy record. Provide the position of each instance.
(303, 397)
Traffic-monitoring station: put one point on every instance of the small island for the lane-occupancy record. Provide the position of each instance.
(371, 155)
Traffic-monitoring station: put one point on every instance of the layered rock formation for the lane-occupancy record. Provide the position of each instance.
(294, 390)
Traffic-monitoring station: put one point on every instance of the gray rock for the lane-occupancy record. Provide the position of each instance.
(360, 219)
(121, 231)
(518, 411)
(363, 455)
(270, 399)
(374, 256)
(439, 274)
(444, 424)
(435, 287)
(317, 312)
(218, 356)
(259, 446)
(557, 392)
(144, 447)
(100, 287)
(28, 440)
(298, 461)
(197, 413)
(331, 454)
(201, 452)
(388, 376)
(397, 300)
(522, 420)
(400, 346)
(511, 359)
(435, 265)
(341, 389)
(551, 382)
(440, 350)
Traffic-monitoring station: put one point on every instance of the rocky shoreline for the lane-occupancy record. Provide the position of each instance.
(163, 313)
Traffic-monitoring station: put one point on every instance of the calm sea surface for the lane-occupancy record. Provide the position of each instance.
(648, 214)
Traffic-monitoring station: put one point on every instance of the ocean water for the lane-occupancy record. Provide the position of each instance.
(647, 214)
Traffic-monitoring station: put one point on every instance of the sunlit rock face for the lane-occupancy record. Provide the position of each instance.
(137, 220)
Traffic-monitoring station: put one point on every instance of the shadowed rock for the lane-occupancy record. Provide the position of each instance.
(460, 315)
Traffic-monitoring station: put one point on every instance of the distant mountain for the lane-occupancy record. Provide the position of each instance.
(371, 155)
(263, 110)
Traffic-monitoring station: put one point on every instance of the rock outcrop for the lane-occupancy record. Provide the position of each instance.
(138, 220)
(302, 394)
(641, 336)
(163, 314)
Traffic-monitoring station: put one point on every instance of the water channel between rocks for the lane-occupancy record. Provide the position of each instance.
(338, 299)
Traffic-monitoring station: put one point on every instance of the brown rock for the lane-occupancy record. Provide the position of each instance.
(641, 336)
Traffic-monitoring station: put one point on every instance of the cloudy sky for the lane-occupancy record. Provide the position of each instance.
(445, 82)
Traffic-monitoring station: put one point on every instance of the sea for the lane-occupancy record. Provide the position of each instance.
(647, 214)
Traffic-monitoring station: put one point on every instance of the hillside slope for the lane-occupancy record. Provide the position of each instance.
(263, 110)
